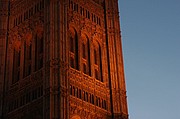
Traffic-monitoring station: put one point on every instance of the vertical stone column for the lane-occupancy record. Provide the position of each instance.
(55, 84)
(120, 64)
(3, 40)
(51, 83)
(115, 60)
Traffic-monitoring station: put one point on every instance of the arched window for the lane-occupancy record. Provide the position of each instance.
(95, 57)
(85, 53)
(38, 53)
(79, 95)
(16, 66)
(73, 49)
(84, 68)
(71, 90)
(71, 62)
(71, 44)
(92, 99)
(84, 95)
(97, 62)
(27, 59)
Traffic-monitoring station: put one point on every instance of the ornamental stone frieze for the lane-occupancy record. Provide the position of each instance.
(25, 33)
(82, 111)
(86, 29)
(35, 79)
(97, 36)
(74, 18)
(100, 2)
(15, 41)
(39, 28)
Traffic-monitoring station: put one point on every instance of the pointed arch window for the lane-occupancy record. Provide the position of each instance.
(27, 59)
(85, 68)
(73, 50)
(71, 44)
(95, 57)
(85, 52)
(39, 52)
(16, 66)
(97, 62)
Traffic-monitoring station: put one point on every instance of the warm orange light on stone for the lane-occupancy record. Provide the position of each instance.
(39, 31)
(68, 63)
(17, 45)
(28, 38)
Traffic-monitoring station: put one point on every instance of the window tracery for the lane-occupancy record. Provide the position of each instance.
(38, 52)
(97, 61)
(27, 59)
(73, 49)
(88, 97)
(85, 51)
(16, 66)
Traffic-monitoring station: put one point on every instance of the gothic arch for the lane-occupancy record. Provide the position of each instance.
(73, 48)
(85, 33)
(85, 54)
(97, 37)
(97, 57)
(72, 31)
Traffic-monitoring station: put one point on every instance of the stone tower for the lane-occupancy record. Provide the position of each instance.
(61, 59)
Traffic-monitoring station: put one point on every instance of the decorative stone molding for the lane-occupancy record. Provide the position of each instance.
(28, 35)
(16, 41)
(25, 33)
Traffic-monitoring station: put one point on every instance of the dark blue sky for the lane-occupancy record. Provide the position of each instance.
(151, 47)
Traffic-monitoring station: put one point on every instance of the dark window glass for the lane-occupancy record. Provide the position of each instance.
(95, 56)
(84, 68)
(84, 51)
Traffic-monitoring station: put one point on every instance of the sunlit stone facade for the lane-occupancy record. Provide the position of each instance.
(61, 59)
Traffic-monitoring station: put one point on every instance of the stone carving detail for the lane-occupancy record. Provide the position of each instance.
(28, 35)
(25, 33)
(82, 95)
(39, 28)
(100, 2)
(16, 41)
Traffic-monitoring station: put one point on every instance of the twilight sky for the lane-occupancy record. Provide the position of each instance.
(151, 47)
